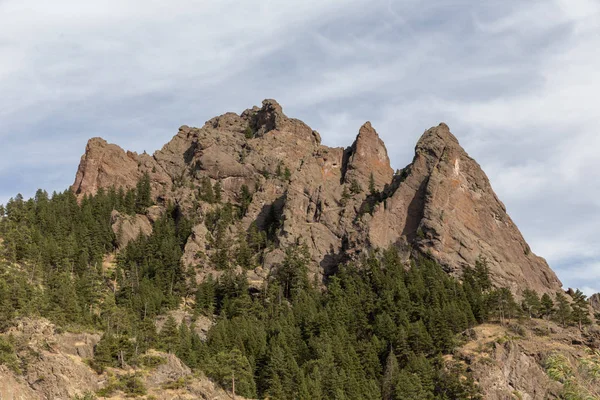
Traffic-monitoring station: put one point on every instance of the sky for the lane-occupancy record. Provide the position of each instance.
(516, 81)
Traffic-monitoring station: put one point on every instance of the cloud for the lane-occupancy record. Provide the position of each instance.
(516, 82)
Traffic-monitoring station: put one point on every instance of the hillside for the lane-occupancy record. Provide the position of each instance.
(246, 257)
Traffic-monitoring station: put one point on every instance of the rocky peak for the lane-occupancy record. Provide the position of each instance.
(105, 165)
(367, 156)
(436, 139)
(441, 205)
(269, 117)
(445, 208)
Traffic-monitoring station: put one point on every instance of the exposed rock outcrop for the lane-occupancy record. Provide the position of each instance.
(129, 227)
(54, 367)
(509, 365)
(446, 207)
(441, 205)
(368, 156)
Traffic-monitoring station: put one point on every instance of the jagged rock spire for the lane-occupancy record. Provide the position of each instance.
(442, 204)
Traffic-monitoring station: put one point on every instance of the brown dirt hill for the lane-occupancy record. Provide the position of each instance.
(441, 205)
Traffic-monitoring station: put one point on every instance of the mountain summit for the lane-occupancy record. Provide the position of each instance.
(340, 202)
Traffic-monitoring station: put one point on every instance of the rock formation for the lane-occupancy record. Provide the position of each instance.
(441, 205)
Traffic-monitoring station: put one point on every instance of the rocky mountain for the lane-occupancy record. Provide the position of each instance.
(340, 201)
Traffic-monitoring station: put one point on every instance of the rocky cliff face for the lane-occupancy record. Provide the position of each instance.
(441, 205)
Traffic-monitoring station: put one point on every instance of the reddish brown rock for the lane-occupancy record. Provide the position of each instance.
(368, 156)
(441, 205)
(105, 165)
(444, 205)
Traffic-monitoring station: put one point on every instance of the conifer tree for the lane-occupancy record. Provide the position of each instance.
(143, 198)
(206, 192)
(409, 386)
(217, 189)
(563, 309)
(232, 370)
(547, 306)
(245, 200)
(355, 187)
(531, 303)
(169, 335)
(372, 187)
(581, 310)
(390, 377)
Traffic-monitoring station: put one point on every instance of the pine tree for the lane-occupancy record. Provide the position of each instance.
(232, 370)
(547, 306)
(206, 192)
(169, 335)
(409, 386)
(390, 377)
(355, 187)
(531, 303)
(245, 200)
(372, 187)
(143, 198)
(482, 274)
(547, 309)
(563, 310)
(581, 309)
(218, 192)
(502, 304)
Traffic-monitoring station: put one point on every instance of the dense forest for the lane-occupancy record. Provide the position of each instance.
(375, 330)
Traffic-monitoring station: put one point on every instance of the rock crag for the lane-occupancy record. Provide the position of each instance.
(339, 201)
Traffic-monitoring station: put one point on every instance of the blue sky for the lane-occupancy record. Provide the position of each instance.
(517, 82)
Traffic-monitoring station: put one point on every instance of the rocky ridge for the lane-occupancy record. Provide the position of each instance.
(339, 201)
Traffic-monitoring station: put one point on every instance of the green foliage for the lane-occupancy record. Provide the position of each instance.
(531, 303)
(217, 189)
(580, 378)
(245, 200)
(8, 357)
(151, 361)
(232, 370)
(143, 198)
(85, 396)
(372, 187)
(169, 336)
(580, 309)
(563, 309)
(502, 305)
(248, 132)
(391, 376)
(547, 306)
(303, 343)
(355, 187)
(129, 384)
(205, 191)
